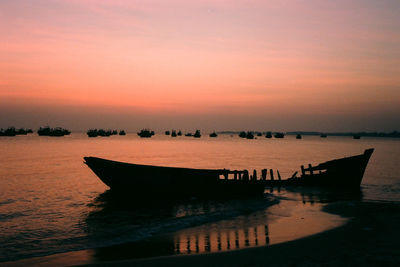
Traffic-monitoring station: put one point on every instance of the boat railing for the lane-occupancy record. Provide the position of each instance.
(243, 175)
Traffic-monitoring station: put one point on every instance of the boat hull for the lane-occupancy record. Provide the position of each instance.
(155, 181)
(344, 173)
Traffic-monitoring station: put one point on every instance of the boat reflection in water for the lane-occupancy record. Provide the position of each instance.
(142, 230)
(239, 236)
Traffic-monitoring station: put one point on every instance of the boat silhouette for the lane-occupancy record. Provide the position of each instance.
(175, 182)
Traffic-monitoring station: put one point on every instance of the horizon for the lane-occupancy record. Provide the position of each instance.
(212, 65)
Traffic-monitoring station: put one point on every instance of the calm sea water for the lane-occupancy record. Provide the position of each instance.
(50, 202)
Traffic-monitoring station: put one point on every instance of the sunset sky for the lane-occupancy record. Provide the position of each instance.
(209, 64)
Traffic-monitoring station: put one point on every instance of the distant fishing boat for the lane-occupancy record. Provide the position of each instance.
(268, 135)
(47, 131)
(122, 132)
(12, 131)
(279, 135)
(242, 134)
(298, 136)
(356, 136)
(323, 135)
(145, 133)
(8, 132)
(249, 135)
(92, 133)
(197, 134)
(213, 134)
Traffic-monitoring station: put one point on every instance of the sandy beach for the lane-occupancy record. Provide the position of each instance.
(370, 238)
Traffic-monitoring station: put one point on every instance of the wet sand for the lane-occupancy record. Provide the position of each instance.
(370, 238)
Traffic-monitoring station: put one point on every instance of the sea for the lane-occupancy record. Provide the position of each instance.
(51, 203)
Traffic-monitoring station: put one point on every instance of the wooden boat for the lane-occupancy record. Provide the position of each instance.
(171, 182)
(346, 173)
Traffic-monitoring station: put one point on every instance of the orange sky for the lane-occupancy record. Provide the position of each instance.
(284, 65)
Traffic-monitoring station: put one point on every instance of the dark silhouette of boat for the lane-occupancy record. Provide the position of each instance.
(249, 135)
(268, 135)
(47, 131)
(104, 133)
(23, 131)
(167, 133)
(298, 136)
(279, 135)
(213, 134)
(188, 134)
(356, 136)
(197, 134)
(343, 173)
(173, 134)
(145, 133)
(259, 134)
(170, 182)
(122, 132)
(92, 133)
(10, 131)
(242, 134)
(179, 133)
(323, 135)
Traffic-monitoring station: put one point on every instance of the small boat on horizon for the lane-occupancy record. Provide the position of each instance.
(298, 136)
(12, 131)
(197, 134)
(279, 135)
(58, 131)
(213, 134)
(145, 133)
(249, 135)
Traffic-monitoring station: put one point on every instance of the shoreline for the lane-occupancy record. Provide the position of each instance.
(364, 240)
(369, 238)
